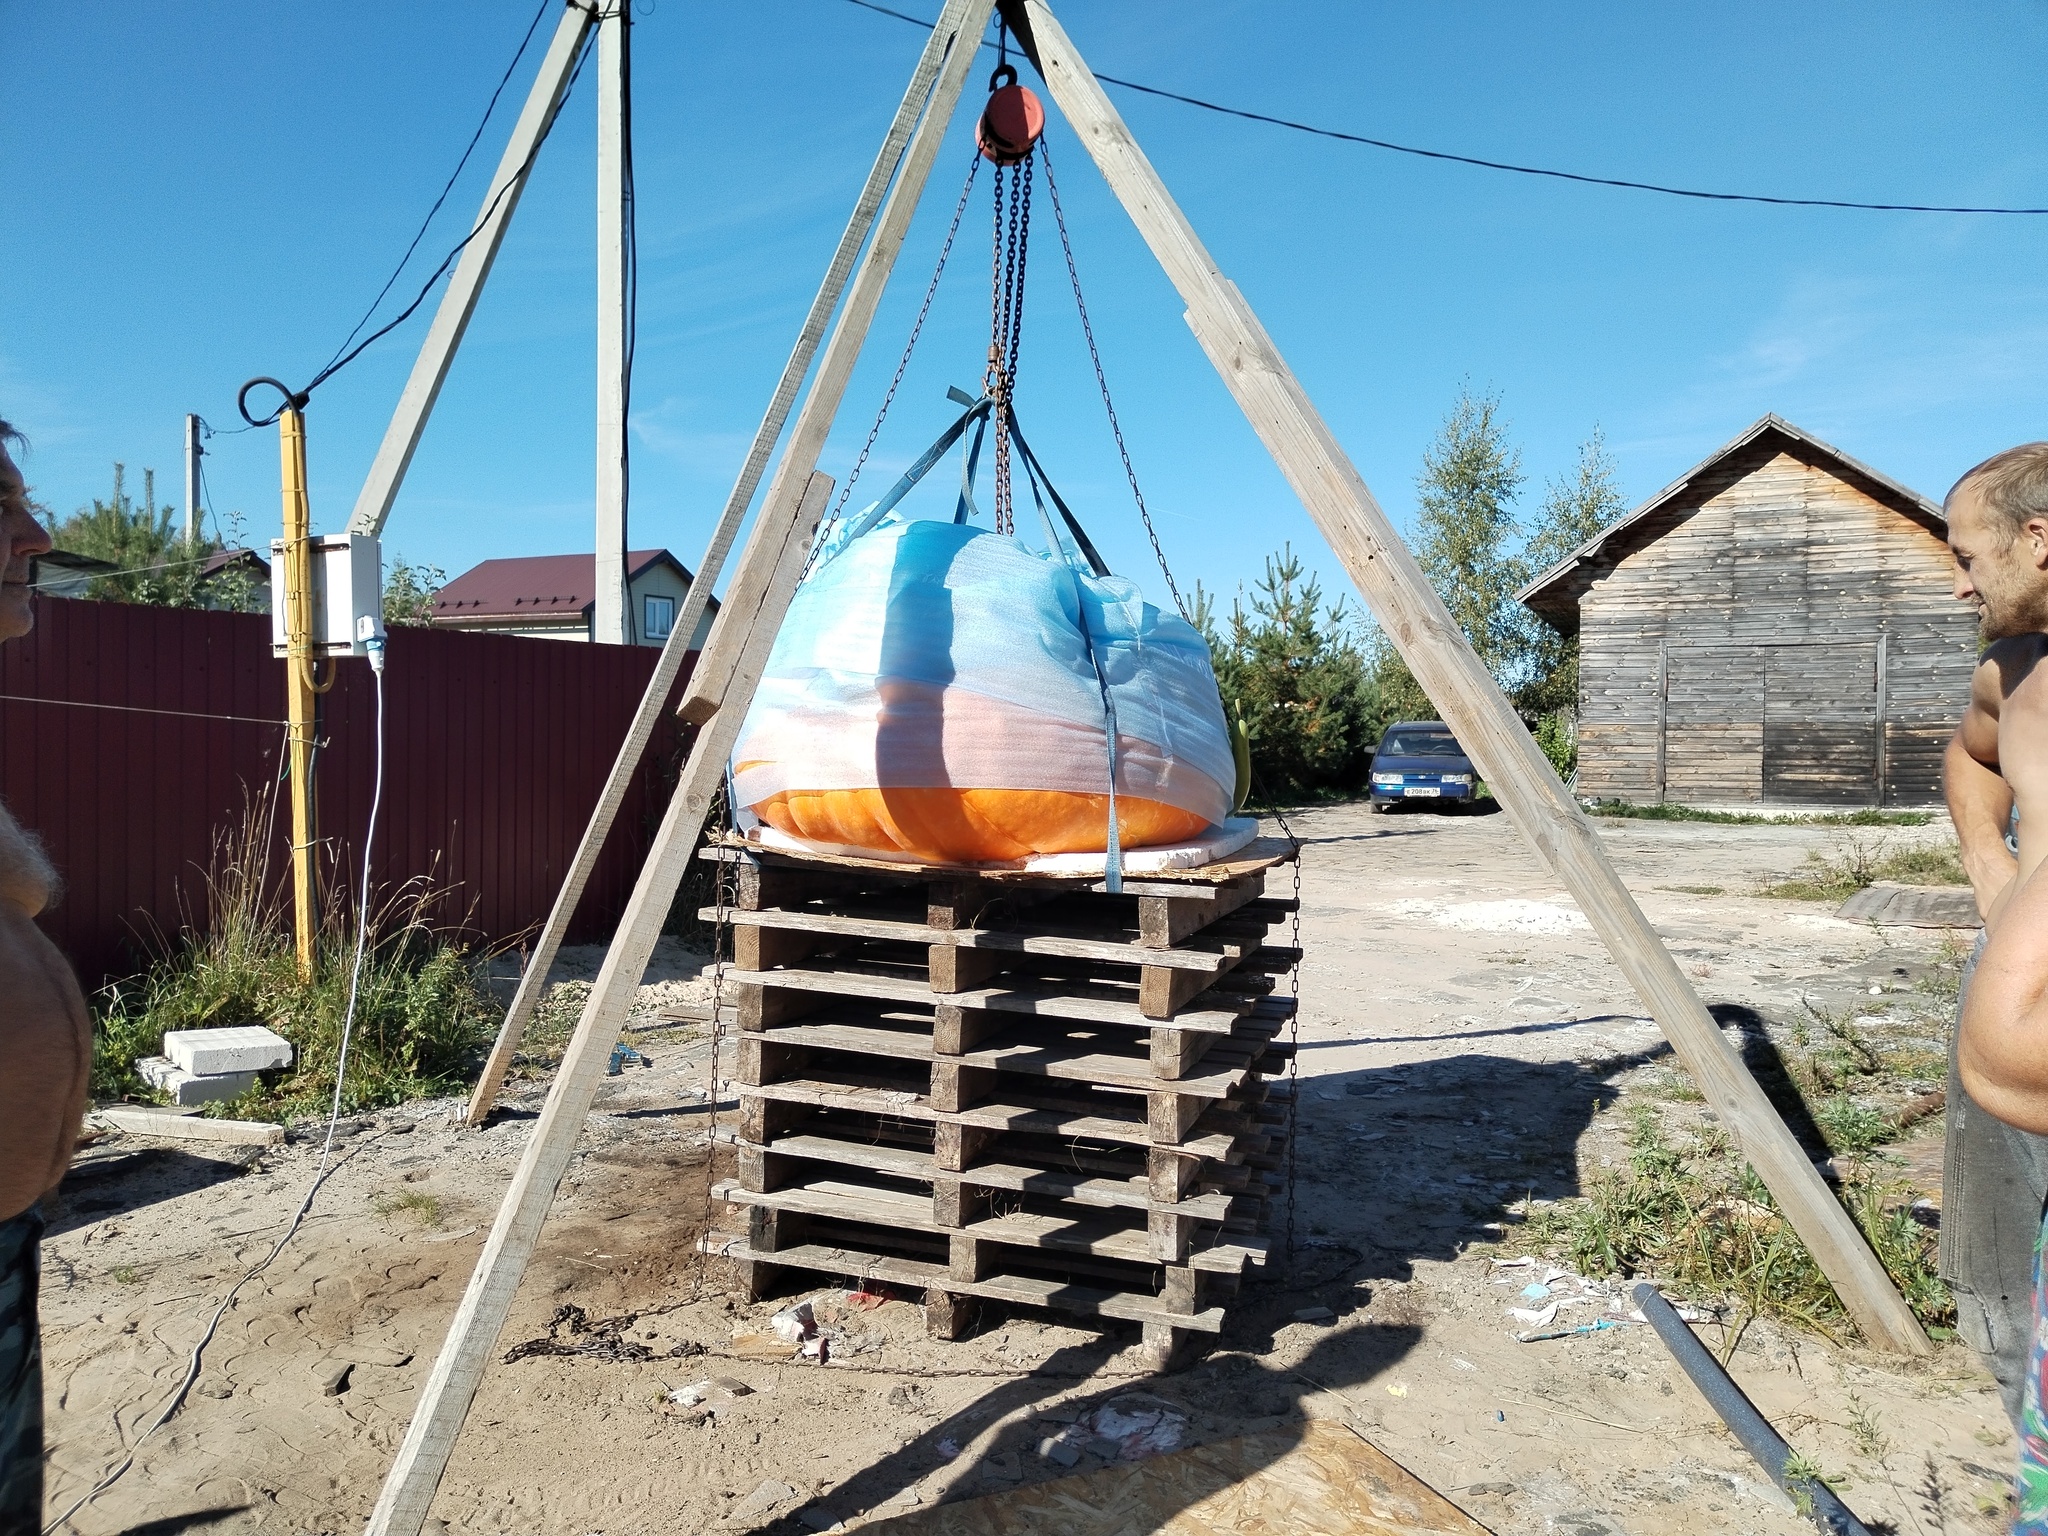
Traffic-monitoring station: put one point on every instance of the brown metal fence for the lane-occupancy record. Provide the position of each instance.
(131, 737)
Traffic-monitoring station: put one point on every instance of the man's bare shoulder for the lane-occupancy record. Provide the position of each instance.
(26, 878)
(2003, 667)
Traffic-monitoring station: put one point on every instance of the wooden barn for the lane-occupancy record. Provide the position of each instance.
(1773, 629)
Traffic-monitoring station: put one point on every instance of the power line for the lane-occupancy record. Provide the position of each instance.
(468, 150)
(1498, 165)
(343, 359)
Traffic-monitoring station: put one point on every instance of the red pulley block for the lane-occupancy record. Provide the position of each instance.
(1011, 122)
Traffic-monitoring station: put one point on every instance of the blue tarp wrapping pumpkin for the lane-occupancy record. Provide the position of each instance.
(943, 693)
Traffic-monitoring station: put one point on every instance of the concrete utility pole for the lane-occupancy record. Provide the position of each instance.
(192, 453)
(610, 621)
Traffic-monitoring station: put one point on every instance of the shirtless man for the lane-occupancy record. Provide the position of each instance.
(45, 1062)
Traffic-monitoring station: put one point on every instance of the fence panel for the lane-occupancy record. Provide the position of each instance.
(132, 737)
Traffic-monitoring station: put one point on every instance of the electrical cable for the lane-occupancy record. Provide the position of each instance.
(1495, 165)
(320, 1173)
(341, 361)
(449, 186)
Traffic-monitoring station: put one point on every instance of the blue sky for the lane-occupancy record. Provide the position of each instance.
(198, 194)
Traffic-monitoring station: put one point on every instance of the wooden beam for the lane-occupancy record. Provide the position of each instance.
(458, 301)
(409, 1487)
(772, 564)
(654, 701)
(1415, 619)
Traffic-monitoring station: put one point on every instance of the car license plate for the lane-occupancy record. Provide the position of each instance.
(1421, 789)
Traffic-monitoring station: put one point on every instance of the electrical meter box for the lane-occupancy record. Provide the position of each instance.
(348, 594)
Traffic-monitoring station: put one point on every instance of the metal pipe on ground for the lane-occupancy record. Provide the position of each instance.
(1813, 1496)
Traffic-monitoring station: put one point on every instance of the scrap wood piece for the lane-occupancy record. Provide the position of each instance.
(142, 1120)
(1318, 1480)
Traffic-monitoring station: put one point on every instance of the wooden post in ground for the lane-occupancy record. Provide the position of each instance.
(696, 602)
(743, 636)
(299, 692)
(422, 1458)
(1422, 630)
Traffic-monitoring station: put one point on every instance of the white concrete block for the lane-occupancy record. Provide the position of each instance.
(240, 1048)
(187, 1088)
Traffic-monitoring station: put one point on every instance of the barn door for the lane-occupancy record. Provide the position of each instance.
(1713, 714)
(1820, 724)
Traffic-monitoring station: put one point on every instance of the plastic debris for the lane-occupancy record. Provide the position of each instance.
(794, 1324)
(1536, 1290)
(624, 1056)
(1598, 1325)
(948, 1449)
(1534, 1318)
(1138, 1426)
(1397, 1389)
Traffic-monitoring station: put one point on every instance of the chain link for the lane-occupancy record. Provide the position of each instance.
(1009, 255)
(1293, 1034)
(727, 874)
(902, 364)
(1095, 357)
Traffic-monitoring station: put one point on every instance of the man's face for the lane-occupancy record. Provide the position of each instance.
(21, 539)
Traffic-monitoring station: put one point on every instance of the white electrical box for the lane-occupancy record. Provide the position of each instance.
(348, 594)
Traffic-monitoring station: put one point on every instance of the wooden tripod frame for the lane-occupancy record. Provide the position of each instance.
(730, 667)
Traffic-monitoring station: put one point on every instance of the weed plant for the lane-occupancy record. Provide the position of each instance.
(421, 1018)
(1857, 863)
(1698, 1219)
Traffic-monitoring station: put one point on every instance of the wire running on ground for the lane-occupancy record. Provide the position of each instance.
(320, 1173)
(1496, 165)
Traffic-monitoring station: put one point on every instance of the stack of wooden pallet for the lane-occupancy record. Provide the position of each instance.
(1008, 1086)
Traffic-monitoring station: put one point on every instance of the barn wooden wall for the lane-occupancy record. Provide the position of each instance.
(1751, 614)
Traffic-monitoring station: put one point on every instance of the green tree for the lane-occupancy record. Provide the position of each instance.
(1291, 670)
(1576, 506)
(157, 563)
(1466, 533)
(409, 592)
(1466, 530)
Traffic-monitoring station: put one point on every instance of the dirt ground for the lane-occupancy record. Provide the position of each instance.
(1466, 1047)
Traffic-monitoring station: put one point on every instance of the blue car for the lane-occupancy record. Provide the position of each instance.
(1421, 760)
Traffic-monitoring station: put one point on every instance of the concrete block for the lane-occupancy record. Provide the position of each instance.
(187, 1088)
(239, 1048)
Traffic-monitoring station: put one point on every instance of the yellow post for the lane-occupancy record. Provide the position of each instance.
(299, 688)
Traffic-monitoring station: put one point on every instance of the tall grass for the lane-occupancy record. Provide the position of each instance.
(1698, 1219)
(421, 1018)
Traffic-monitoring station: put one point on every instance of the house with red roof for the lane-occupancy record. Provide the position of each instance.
(553, 597)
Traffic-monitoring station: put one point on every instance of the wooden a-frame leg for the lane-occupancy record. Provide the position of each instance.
(771, 565)
(696, 602)
(1450, 672)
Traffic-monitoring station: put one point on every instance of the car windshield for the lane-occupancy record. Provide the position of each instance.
(1420, 744)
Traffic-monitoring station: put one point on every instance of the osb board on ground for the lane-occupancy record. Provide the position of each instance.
(1321, 1480)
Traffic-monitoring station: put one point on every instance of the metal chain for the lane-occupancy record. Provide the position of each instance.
(1008, 257)
(1293, 1033)
(902, 364)
(1095, 357)
(722, 884)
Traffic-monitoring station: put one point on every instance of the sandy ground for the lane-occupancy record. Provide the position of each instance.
(1465, 1045)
